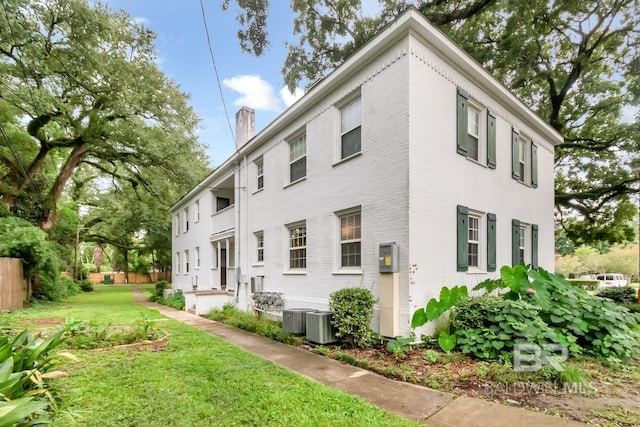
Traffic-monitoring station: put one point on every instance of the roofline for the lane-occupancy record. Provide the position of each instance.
(411, 20)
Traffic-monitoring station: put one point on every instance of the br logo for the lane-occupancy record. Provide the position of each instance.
(529, 357)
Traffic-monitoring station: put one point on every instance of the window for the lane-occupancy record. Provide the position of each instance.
(222, 202)
(474, 245)
(473, 131)
(476, 131)
(186, 220)
(260, 246)
(186, 262)
(177, 262)
(260, 173)
(474, 241)
(298, 158)
(298, 246)
(176, 224)
(350, 129)
(524, 243)
(197, 210)
(350, 240)
(524, 166)
(521, 244)
(197, 254)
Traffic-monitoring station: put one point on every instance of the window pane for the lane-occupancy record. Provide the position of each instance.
(351, 142)
(221, 203)
(297, 148)
(472, 147)
(298, 169)
(260, 182)
(298, 258)
(351, 254)
(350, 117)
(473, 254)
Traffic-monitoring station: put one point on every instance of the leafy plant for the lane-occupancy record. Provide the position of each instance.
(175, 300)
(447, 342)
(157, 294)
(431, 356)
(471, 312)
(352, 312)
(436, 307)
(86, 285)
(400, 346)
(624, 294)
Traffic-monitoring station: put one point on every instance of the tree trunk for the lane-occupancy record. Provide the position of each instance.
(70, 165)
(126, 265)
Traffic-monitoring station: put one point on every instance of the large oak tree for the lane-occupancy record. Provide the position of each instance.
(80, 90)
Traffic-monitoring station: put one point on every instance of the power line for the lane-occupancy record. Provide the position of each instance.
(224, 104)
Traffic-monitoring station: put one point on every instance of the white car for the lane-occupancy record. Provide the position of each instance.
(611, 279)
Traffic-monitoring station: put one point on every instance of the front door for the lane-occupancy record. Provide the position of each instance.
(223, 269)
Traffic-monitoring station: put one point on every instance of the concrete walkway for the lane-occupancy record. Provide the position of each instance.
(430, 407)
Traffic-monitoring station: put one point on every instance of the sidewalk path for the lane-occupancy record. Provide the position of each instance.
(431, 407)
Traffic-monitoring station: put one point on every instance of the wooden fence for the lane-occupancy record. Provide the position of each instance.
(11, 284)
(133, 277)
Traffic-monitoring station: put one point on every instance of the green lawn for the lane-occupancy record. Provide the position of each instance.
(197, 380)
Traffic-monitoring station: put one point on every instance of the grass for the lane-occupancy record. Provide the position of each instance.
(197, 380)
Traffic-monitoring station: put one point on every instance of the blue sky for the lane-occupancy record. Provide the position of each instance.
(246, 80)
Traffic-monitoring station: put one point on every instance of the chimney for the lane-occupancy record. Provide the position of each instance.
(245, 126)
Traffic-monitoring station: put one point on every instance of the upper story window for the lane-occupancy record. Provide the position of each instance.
(350, 239)
(186, 220)
(186, 261)
(260, 173)
(298, 158)
(222, 203)
(298, 245)
(176, 224)
(350, 128)
(524, 167)
(476, 130)
(197, 208)
(197, 257)
(177, 262)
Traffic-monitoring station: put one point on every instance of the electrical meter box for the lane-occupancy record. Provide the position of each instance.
(388, 260)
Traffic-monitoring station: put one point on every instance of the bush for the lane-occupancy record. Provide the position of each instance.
(352, 312)
(586, 284)
(86, 285)
(507, 323)
(582, 322)
(471, 312)
(157, 294)
(175, 300)
(624, 294)
(56, 288)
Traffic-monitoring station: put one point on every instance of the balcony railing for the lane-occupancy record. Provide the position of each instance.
(223, 220)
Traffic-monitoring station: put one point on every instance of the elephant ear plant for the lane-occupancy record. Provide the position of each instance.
(23, 361)
(436, 308)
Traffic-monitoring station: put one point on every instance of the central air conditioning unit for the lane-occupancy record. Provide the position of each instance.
(294, 320)
(319, 327)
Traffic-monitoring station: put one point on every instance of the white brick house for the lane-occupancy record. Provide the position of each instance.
(409, 141)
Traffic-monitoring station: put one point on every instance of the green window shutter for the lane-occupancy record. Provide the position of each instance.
(534, 245)
(463, 238)
(491, 242)
(462, 119)
(515, 151)
(491, 140)
(534, 165)
(515, 242)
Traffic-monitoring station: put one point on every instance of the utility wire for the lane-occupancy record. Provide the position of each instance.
(213, 60)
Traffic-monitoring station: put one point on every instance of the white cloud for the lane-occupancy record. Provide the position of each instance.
(289, 98)
(141, 21)
(256, 93)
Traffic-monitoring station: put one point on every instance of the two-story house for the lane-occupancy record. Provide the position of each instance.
(409, 142)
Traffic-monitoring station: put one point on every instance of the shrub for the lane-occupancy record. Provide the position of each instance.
(471, 312)
(582, 322)
(175, 300)
(160, 286)
(352, 312)
(86, 285)
(624, 294)
(586, 284)
(57, 288)
(507, 323)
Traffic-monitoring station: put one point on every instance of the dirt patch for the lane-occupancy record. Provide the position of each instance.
(148, 346)
(607, 397)
(46, 321)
